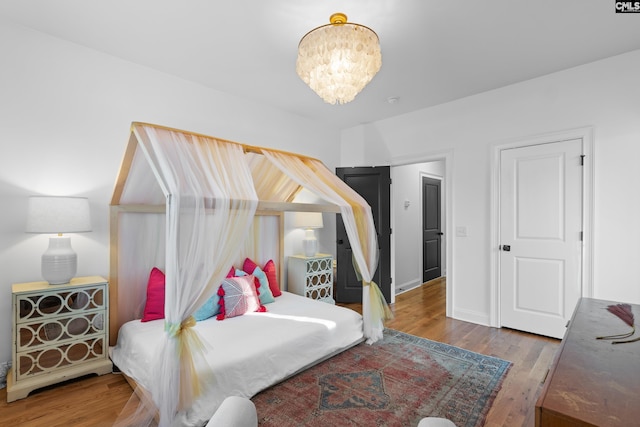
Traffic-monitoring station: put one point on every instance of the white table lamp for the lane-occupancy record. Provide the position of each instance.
(309, 221)
(57, 215)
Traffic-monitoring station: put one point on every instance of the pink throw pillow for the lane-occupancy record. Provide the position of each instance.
(238, 296)
(154, 306)
(272, 276)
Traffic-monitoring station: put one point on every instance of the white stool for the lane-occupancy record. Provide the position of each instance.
(435, 422)
(235, 411)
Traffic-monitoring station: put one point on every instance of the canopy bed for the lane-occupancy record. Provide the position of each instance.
(188, 206)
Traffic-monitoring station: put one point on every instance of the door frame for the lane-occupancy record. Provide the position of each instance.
(443, 268)
(447, 157)
(586, 134)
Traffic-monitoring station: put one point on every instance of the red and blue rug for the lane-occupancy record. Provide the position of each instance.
(394, 382)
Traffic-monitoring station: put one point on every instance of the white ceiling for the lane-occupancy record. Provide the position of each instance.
(433, 51)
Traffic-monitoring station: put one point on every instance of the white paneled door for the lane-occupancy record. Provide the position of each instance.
(540, 236)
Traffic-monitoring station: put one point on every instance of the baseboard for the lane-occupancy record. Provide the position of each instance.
(407, 286)
(471, 316)
(4, 368)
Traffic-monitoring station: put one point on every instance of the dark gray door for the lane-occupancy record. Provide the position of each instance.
(374, 185)
(431, 230)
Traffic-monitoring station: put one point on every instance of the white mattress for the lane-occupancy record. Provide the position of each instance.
(251, 352)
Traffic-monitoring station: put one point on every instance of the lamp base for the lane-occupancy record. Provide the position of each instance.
(310, 243)
(59, 262)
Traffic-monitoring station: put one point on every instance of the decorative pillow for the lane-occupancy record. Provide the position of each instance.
(238, 297)
(262, 284)
(211, 307)
(270, 270)
(154, 306)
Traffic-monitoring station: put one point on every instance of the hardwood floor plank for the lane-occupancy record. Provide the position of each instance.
(97, 401)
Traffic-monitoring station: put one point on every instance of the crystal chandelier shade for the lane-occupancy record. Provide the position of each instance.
(339, 59)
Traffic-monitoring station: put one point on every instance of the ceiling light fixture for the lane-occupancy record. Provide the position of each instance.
(339, 59)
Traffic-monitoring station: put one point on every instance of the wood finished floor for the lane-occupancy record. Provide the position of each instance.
(97, 401)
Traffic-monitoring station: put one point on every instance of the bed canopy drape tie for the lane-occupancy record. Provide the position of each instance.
(377, 304)
(187, 341)
(211, 199)
(175, 329)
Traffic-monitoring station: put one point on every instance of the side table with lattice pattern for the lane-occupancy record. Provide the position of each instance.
(60, 332)
(311, 277)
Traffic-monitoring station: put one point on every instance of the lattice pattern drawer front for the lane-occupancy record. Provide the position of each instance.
(320, 279)
(38, 306)
(47, 359)
(34, 335)
(319, 293)
(322, 265)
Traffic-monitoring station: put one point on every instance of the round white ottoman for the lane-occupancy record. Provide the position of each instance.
(435, 422)
(235, 411)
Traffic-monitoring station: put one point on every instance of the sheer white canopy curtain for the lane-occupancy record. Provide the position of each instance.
(358, 221)
(211, 202)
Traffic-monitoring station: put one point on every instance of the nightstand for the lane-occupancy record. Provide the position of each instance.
(311, 277)
(60, 332)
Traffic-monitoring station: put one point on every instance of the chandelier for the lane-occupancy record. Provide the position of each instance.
(339, 59)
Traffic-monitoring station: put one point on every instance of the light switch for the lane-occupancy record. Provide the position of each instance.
(461, 231)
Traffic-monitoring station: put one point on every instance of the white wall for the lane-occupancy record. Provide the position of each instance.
(65, 113)
(407, 221)
(363, 146)
(604, 95)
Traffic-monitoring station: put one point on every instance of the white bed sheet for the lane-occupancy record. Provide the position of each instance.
(251, 352)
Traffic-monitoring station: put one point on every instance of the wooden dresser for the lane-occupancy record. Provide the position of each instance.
(593, 382)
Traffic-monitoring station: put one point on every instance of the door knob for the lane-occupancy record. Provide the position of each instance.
(340, 241)
(506, 248)
(440, 233)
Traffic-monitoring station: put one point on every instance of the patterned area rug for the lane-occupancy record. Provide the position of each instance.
(394, 382)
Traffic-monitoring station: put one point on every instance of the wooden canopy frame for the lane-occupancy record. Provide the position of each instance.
(117, 208)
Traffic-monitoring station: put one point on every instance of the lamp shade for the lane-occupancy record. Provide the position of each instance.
(48, 214)
(339, 59)
(57, 215)
(308, 220)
